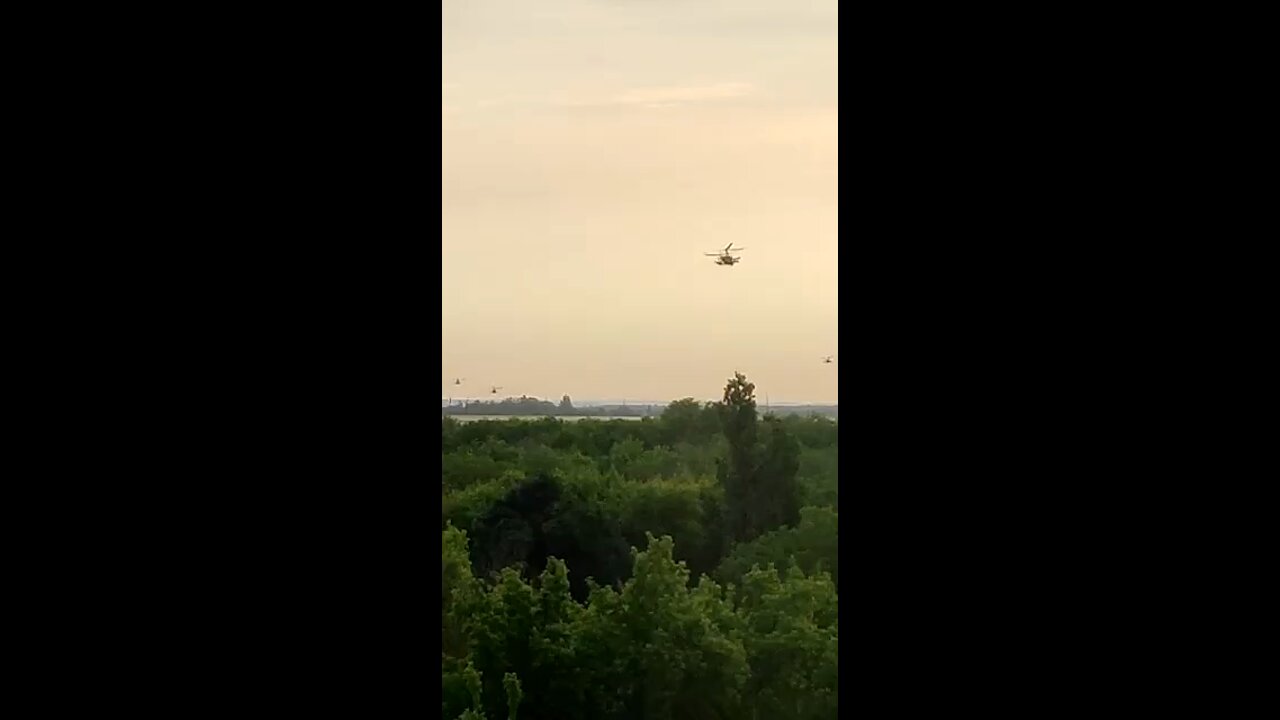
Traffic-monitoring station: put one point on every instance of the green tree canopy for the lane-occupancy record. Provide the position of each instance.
(759, 479)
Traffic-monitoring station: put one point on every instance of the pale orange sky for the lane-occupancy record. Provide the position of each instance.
(593, 150)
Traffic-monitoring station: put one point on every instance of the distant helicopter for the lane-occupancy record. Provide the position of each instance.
(458, 381)
(495, 389)
(827, 359)
(723, 257)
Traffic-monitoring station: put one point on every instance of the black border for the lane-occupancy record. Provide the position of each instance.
(276, 379)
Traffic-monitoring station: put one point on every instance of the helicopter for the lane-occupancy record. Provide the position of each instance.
(827, 359)
(458, 381)
(723, 257)
(495, 389)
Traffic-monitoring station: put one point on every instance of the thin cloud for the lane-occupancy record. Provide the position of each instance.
(673, 96)
(693, 93)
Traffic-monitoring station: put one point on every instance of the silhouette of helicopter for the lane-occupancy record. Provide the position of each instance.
(458, 381)
(827, 359)
(723, 257)
(495, 389)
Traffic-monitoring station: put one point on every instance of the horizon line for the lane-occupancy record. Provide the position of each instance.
(629, 401)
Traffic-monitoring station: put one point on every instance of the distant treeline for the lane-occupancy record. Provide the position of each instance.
(531, 406)
(542, 408)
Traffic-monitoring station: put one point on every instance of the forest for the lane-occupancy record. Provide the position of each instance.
(678, 567)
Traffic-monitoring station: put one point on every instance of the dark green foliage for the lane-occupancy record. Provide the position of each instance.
(737, 472)
(688, 420)
(813, 431)
(460, 688)
(512, 531)
(455, 581)
(538, 519)
(684, 510)
(792, 638)
(546, 613)
(511, 684)
(654, 648)
(590, 541)
(813, 545)
(660, 650)
(779, 493)
(462, 508)
(460, 470)
(819, 476)
(759, 478)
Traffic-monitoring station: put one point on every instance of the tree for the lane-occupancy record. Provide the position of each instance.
(652, 648)
(460, 689)
(686, 420)
(512, 531)
(792, 638)
(511, 684)
(776, 477)
(540, 519)
(814, 545)
(759, 479)
(455, 582)
(546, 611)
(738, 420)
(658, 649)
(669, 507)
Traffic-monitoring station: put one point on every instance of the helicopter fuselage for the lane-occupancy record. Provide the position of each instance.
(725, 256)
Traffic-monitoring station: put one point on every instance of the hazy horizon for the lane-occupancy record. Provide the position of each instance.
(588, 401)
(593, 150)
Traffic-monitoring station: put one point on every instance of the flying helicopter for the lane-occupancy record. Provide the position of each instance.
(723, 257)
(495, 389)
(827, 359)
(458, 381)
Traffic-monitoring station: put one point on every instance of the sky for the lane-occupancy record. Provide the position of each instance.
(592, 151)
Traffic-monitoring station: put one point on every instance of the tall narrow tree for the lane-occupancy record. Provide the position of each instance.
(759, 478)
